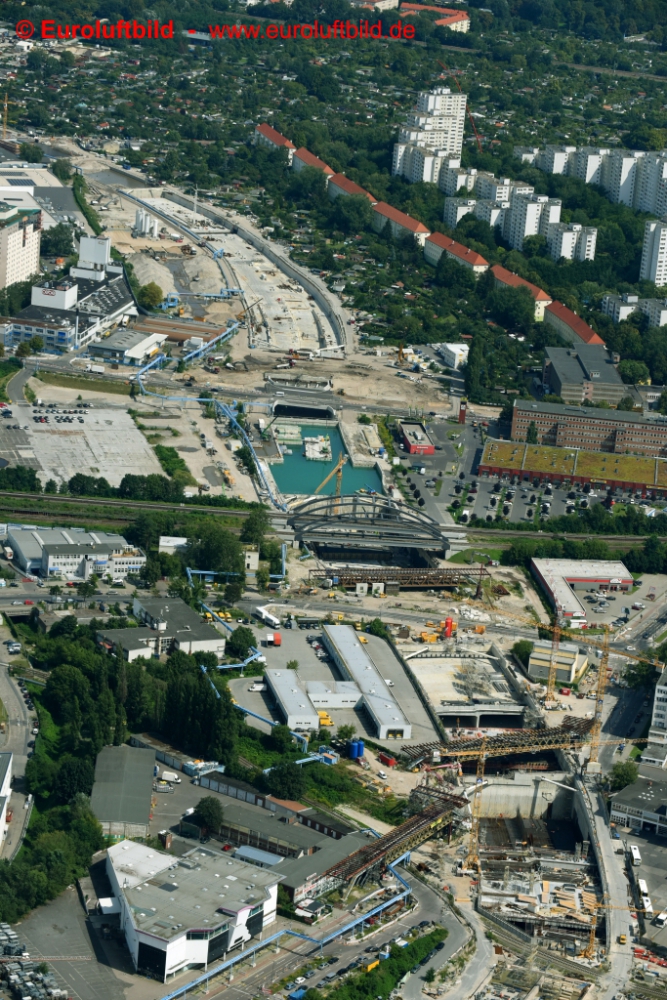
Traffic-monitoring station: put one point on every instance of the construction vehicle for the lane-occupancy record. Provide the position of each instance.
(428, 637)
(325, 719)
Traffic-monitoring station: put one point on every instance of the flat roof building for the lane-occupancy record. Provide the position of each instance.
(304, 877)
(178, 626)
(74, 552)
(586, 372)
(355, 664)
(296, 708)
(642, 806)
(121, 798)
(570, 662)
(180, 913)
(560, 578)
(416, 440)
(129, 347)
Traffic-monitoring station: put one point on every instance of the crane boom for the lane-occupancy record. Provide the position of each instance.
(337, 471)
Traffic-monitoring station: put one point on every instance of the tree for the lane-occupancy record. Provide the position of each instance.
(36, 345)
(633, 372)
(429, 976)
(639, 675)
(662, 403)
(30, 152)
(240, 641)
(262, 578)
(287, 781)
(247, 460)
(233, 593)
(522, 651)
(345, 732)
(76, 775)
(209, 814)
(85, 589)
(150, 296)
(282, 738)
(23, 350)
(62, 169)
(627, 404)
(292, 665)
(255, 526)
(377, 627)
(622, 773)
(51, 486)
(531, 434)
(57, 241)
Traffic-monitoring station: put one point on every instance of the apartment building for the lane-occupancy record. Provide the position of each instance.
(493, 212)
(265, 135)
(455, 20)
(20, 235)
(436, 244)
(571, 241)
(340, 186)
(658, 730)
(555, 159)
(455, 177)
(302, 158)
(399, 223)
(507, 279)
(589, 429)
(569, 325)
(621, 307)
(456, 209)
(587, 164)
(435, 124)
(654, 252)
(530, 215)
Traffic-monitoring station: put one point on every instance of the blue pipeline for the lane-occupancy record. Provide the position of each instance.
(182, 991)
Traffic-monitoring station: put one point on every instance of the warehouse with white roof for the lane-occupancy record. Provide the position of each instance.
(562, 578)
(355, 664)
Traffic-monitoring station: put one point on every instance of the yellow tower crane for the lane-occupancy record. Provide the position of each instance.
(337, 471)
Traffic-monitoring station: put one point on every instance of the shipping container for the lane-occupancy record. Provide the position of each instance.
(386, 758)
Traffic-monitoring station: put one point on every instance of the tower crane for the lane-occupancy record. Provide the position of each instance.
(337, 471)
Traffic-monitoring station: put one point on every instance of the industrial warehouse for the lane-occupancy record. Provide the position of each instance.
(560, 579)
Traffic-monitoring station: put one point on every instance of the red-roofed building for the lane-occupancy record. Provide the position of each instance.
(399, 223)
(457, 20)
(265, 135)
(507, 279)
(437, 244)
(342, 186)
(569, 325)
(303, 158)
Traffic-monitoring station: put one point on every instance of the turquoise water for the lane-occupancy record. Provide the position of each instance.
(300, 475)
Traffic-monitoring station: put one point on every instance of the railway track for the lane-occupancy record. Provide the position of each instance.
(487, 534)
(118, 505)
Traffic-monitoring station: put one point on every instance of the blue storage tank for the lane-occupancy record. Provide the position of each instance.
(352, 749)
(360, 748)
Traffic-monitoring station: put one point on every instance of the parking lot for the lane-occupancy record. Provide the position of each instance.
(295, 646)
(96, 441)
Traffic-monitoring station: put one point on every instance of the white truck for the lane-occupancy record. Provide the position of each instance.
(172, 777)
(267, 617)
(98, 369)
(8, 553)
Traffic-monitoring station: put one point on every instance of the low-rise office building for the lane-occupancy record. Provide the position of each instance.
(587, 372)
(591, 429)
(570, 662)
(181, 913)
(306, 877)
(178, 626)
(74, 552)
(129, 347)
(453, 355)
(641, 806)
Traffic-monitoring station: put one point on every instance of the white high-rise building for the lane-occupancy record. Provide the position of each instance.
(490, 188)
(436, 123)
(20, 235)
(587, 164)
(530, 215)
(572, 241)
(419, 163)
(457, 177)
(658, 731)
(456, 209)
(619, 175)
(654, 252)
(555, 159)
(493, 212)
(651, 183)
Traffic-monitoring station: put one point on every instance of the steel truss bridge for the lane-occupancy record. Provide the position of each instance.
(406, 837)
(445, 576)
(571, 735)
(363, 520)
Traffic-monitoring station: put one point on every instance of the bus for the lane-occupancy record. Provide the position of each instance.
(642, 886)
(647, 906)
(661, 919)
(636, 856)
